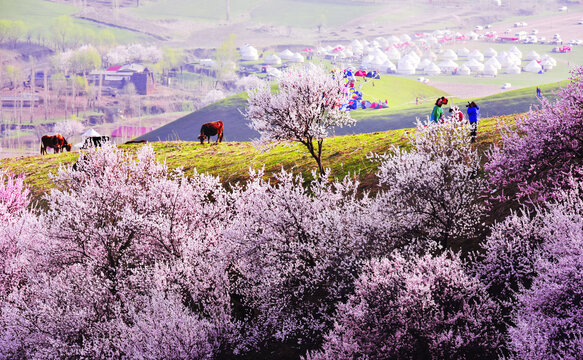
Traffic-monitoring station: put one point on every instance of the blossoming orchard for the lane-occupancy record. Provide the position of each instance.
(132, 260)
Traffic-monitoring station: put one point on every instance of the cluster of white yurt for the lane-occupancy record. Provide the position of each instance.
(272, 60)
(297, 58)
(493, 62)
(490, 53)
(463, 52)
(533, 55)
(514, 50)
(286, 55)
(406, 66)
(432, 69)
(423, 64)
(393, 54)
(533, 67)
(249, 53)
(463, 70)
(548, 62)
(474, 66)
(389, 66)
(448, 66)
(476, 55)
(449, 54)
(490, 70)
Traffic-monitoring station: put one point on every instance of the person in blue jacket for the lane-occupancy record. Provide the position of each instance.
(473, 117)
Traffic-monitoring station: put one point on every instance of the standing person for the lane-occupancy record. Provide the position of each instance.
(417, 100)
(538, 92)
(473, 116)
(437, 113)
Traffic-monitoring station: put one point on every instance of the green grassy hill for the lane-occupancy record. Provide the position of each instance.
(230, 161)
(403, 112)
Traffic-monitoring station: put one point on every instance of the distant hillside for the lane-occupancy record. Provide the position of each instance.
(400, 116)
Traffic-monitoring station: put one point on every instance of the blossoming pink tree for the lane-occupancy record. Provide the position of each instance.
(304, 108)
(299, 251)
(543, 151)
(134, 266)
(414, 307)
(434, 188)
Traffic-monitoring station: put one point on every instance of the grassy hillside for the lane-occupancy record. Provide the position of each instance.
(306, 14)
(344, 155)
(40, 14)
(399, 91)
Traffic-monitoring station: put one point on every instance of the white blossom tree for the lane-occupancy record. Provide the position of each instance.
(304, 108)
(434, 188)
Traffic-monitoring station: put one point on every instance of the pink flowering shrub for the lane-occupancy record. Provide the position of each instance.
(298, 252)
(13, 194)
(548, 320)
(433, 189)
(544, 150)
(135, 255)
(407, 307)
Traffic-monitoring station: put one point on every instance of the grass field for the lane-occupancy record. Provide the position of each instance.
(303, 14)
(398, 90)
(230, 161)
(39, 15)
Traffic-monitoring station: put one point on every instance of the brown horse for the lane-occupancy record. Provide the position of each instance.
(211, 129)
(56, 142)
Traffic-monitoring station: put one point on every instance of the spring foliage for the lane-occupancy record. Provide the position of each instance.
(132, 260)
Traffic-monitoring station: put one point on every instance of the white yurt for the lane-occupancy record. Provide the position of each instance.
(463, 70)
(389, 66)
(272, 60)
(513, 69)
(405, 67)
(365, 43)
(448, 66)
(297, 58)
(533, 67)
(514, 50)
(382, 42)
(286, 55)
(475, 66)
(494, 62)
(393, 54)
(405, 38)
(432, 69)
(502, 55)
(274, 72)
(490, 53)
(377, 62)
(430, 55)
(423, 64)
(477, 55)
(249, 53)
(393, 39)
(374, 44)
(490, 70)
(533, 55)
(550, 59)
(356, 44)
(367, 60)
(547, 64)
(510, 60)
(449, 54)
(463, 52)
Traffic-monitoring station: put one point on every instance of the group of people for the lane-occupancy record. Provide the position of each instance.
(473, 112)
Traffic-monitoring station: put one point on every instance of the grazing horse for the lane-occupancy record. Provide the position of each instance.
(211, 129)
(57, 142)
